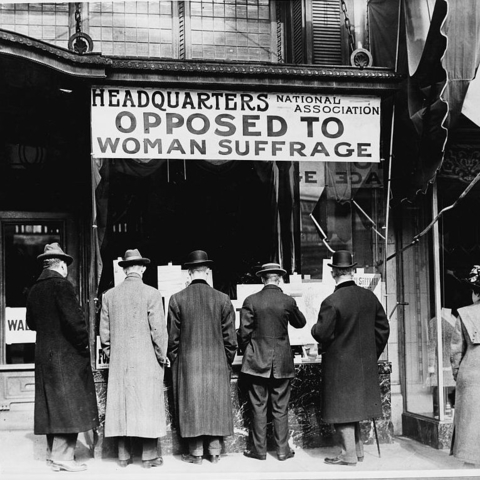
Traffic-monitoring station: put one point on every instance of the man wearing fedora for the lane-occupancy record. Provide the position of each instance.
(65, 400)
(201, 347)
(352, 331)
(268, 360)
(133, 333)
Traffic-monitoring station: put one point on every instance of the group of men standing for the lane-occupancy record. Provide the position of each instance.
(199, 341)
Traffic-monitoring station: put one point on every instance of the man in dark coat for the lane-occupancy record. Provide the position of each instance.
(268, 359)
(352, 331)
(65, 400)
(201, 347)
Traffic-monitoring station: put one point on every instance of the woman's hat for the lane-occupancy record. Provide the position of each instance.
(133, 257)
(53, 250)
(473, 278)
(197, 258)
(271, 268)
(342, 259)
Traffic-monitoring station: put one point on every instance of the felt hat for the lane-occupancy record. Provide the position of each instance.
(53, 250)
(197, 258)
(133, 257)
(342, 259)
(271, 268)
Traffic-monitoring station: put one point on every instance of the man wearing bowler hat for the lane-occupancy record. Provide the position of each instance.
(65, 400)
(268, 360)
(201, 347)
(133, 333)
(352, 331)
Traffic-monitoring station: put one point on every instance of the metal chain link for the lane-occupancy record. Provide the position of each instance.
(78, 18)
(348, 26)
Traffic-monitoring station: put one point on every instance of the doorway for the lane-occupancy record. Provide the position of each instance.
(23, 237)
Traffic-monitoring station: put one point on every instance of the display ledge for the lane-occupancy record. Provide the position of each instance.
(15, 367)
(297, 360)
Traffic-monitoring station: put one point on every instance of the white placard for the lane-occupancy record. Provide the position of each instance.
(101, 360)
(16, 329)
(146, 123)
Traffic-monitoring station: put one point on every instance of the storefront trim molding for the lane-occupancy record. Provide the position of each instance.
(429, 431)
(96, 65)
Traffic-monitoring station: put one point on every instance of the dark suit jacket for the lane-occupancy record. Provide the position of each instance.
(353, 330)
(263, 333)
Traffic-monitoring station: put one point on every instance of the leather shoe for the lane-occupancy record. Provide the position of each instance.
(125, 463)
(360, 459)
(252, 454)
(192, 459)
(214, 458)
(155, 462)
(68, 466)
(339, 461)
(285, 456)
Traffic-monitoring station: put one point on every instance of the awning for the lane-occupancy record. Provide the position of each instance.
(439, 49)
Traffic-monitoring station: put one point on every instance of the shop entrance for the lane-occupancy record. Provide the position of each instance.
(23, 237)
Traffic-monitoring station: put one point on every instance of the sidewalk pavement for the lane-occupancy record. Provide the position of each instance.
(22, 457)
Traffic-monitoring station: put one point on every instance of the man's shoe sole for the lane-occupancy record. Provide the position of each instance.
(256, 456)
(339, 461)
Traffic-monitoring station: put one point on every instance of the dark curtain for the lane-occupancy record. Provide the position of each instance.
(236, 213)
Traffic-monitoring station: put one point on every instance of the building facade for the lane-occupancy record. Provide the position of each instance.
(257, 130)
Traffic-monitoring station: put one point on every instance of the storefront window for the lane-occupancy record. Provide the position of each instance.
(23, 242)
(425, 371)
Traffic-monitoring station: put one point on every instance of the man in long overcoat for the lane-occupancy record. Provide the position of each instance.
(65, 399)
(133, 333)
(268, 359)
(352, 331)
(201, 347)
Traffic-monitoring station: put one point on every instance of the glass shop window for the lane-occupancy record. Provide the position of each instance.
(23, 242)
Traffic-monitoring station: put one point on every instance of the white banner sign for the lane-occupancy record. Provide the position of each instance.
(16, 329)
(220, 125)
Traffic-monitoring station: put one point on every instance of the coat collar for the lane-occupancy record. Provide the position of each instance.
(199, 280)
(133, 276)
(348, 283)
(49, 273)
(272, 286)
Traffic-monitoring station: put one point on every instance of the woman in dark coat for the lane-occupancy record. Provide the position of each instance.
(65, 400)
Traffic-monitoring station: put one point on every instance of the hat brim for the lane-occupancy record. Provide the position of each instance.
(134, 261)
(66, 258)
(278, 271)
(198, 263)
(342, 266)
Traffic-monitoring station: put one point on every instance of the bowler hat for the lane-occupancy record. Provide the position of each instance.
(133, 257)
(197, 258)
(53, 250)
(271, 268)
(342, 259)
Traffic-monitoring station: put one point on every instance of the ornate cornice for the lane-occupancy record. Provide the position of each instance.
(96, 64)
(245, 69)
(461, 162)
(50, 50)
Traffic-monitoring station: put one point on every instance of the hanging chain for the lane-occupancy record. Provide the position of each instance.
(78, 18)
(348, 26)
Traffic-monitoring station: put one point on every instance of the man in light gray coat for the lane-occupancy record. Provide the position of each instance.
(133, 333)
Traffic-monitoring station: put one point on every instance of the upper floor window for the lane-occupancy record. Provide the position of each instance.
(294, 31)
